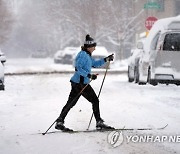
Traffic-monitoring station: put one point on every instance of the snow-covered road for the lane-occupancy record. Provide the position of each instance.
(31, 103)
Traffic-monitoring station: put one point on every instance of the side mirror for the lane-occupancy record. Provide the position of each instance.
(2, 59)
(140, 45)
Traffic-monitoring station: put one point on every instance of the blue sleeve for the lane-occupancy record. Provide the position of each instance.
(98, 63)
(81, 59)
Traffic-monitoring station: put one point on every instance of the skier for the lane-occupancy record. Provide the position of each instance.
(82, 77)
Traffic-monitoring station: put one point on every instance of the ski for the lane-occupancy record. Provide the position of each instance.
(105, 130)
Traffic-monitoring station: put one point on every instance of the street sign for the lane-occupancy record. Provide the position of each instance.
(152, 5)
(149, 22)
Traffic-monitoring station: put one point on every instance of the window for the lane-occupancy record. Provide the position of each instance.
(172, 42)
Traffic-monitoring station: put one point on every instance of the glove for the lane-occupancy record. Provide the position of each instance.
(109, 58)
(92, 76)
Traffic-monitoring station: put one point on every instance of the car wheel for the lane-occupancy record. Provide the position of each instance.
(142, 83)
(136, 74)
(151, 81)
(130, 79)
(2, 87)
(178, 83)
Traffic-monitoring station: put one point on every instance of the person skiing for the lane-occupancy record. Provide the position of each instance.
(81, 78)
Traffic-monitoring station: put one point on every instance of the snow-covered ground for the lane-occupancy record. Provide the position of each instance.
(31, 103)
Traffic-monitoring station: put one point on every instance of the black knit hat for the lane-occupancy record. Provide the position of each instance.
(89, 42)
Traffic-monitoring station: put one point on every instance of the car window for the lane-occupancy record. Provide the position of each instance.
(172, 42)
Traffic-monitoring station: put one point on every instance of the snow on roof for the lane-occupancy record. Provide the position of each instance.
(71, 50)
(100, 51)
(172, 23)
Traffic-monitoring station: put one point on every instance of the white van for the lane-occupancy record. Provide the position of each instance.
(160, 62)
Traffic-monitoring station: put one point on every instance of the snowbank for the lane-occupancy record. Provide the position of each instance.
(46, 66)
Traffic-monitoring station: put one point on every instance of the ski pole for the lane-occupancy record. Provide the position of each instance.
(100, 90)
(49, 128)
(72, 101)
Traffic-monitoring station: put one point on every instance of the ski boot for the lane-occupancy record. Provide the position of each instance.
(60, 126)
(101, 126)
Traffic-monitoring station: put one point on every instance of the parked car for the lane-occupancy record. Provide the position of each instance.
(133, 61)
(2, 61)
(160, 61)
(66, 56)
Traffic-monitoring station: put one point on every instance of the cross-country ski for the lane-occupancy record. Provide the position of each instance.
(104, 130)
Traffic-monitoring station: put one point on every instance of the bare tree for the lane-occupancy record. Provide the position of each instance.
(5, 22)
(51, 25)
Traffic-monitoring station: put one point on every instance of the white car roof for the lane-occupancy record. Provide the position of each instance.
(68, 50)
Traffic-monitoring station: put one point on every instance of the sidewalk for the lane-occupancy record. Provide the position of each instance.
(31, 66)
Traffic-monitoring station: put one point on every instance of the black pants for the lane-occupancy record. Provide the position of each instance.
(88, 93)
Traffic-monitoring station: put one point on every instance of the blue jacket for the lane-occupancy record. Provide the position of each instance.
(83, 64)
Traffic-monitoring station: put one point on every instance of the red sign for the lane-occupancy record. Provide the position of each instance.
(149, 22)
